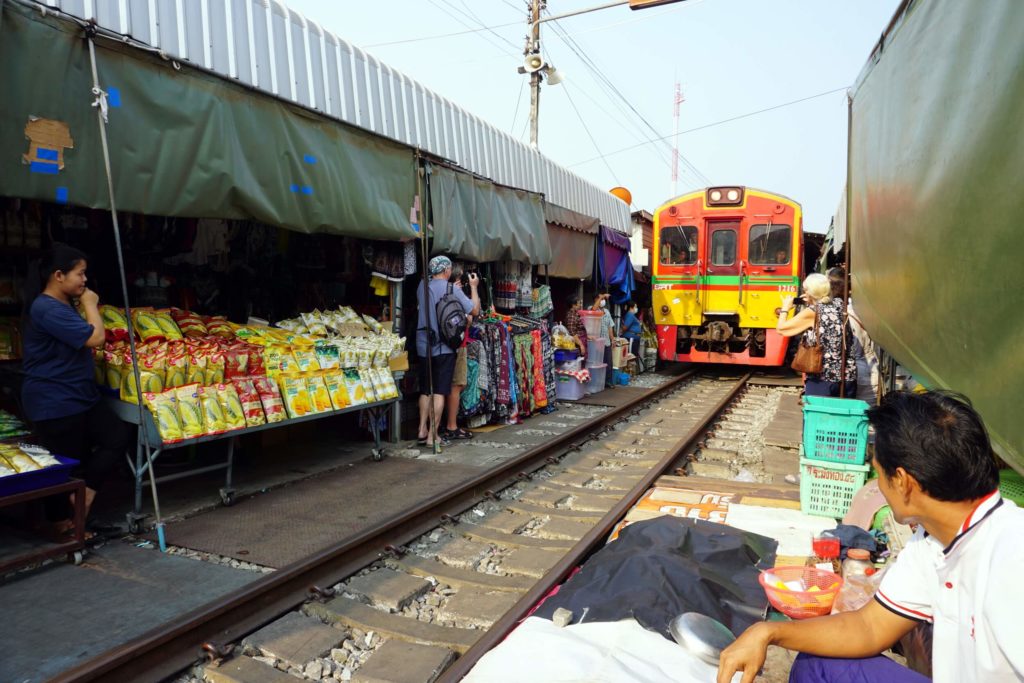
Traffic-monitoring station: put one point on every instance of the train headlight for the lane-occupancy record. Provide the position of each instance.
(733, 195)
(715, 195)
(724, 196)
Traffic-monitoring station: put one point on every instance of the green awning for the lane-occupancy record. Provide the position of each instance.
(572, 252)
(478, 220)
(184, 143)
(567, 218)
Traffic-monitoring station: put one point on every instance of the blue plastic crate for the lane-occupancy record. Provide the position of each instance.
(835, 429)
(30, 481)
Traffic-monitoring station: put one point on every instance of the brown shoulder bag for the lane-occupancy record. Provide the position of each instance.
(808, 357)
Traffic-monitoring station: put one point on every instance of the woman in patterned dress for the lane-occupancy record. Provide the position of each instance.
(831, 318)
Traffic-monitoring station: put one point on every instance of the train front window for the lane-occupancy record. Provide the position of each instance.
(679, 245)
(770, 245)
(723, 248)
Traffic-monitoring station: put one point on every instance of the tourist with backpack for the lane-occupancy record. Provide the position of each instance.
(444, 310)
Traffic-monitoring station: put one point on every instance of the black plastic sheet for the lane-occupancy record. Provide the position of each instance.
(661, 568)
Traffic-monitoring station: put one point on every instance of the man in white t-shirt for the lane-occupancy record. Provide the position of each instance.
(960, 572)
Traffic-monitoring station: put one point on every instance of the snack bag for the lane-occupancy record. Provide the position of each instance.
(190, 411)
(214, 420)
(219, 326)
(167, 325)
(214, 373)
(334, 380)
(165, 413)
(113, 367)
(256, 362)
(327, 356)
(115, 324)
(146, 324)
(270, 397)
(305, 358)
(99, 366)
(354, 386)
(151, 374)
(319, 397)
(368, 387)
(177, 367)
(236, 361)
(295, 393)
(234, 413)
(190, 324)
(373, 324)
(197, 361)
(314, 323)
(250, 398)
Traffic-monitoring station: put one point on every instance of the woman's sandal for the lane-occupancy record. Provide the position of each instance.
(460, 433)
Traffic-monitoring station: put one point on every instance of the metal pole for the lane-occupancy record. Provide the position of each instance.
(533, 47)
(847, 273)
(100, 103)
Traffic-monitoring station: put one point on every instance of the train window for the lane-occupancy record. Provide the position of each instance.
(679, 245)
(723, 247)
(770, 245)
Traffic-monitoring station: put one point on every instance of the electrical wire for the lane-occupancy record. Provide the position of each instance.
(473, 18)
(439, 36)
(723, 121)
(593, 140)
(459, 19)
(519, 100)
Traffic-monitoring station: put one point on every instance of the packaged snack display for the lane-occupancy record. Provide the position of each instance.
(165, 413)
(320, 399)
(327, 356)
(214, 421)
(295, 393)
(369, 390)
(305, 358)
(270, 397)
(250, 398)
(177, 367)
(234, 414)
(151, 375)
(114, 323)
(168, 327)
(190, 411)
(256, 365)
(19, 461)
(334, 380)
(190, 324)
(146, 325)
(196, 370)
(236, 361)
(214, 373)
(354, 386)
(219, 326)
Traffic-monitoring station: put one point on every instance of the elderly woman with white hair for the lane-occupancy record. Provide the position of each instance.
(829, 332)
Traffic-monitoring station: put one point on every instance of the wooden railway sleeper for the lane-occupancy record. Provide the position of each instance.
(320, 594)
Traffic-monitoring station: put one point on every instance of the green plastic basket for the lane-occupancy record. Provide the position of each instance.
(826, 489)
(1011, 486)
(835, 429)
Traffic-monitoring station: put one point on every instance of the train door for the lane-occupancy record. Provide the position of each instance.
(721, 265)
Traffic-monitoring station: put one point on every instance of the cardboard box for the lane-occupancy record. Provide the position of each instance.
(400, 362)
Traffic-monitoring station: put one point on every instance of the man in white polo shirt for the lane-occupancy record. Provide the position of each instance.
(961, 572)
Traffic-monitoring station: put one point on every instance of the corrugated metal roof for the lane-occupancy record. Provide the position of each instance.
(277, 50)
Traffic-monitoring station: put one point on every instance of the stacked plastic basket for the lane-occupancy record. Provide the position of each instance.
(595, 350)
(832, 466)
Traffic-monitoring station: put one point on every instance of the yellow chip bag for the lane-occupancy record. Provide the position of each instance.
(145, 322)
(167, 325)
(335, 383)
(234, 414)
(354, 386)
(295, 393)
(165, 413)
(305, 358)
(177, 369)
(151, 375)
(214, 373)
(320, 399)
(368, 387)
(190, 411)
(214, 421)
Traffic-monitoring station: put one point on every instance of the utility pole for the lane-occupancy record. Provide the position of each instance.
(533, 48)
(676, 101)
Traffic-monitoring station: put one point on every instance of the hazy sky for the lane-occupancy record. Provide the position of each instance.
(731, 57)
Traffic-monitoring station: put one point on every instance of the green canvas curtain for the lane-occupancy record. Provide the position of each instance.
(184, 143)
(936, 158)
(572, 236)
(477, 220)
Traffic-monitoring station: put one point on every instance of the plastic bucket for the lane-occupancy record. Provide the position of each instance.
(591, 322)
(597, 374)
(595, 350)
(568, 388)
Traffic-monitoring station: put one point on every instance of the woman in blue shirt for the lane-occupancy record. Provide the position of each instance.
(59, 392)
(631, 327)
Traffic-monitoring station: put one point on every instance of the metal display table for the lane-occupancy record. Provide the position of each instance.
(129, 412)
(72, 547)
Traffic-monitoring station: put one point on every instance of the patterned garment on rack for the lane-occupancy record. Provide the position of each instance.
(524, 372)
(471, 401)
(540, 392)
(548, 356)
(389, 261)
(524, 288)
(542, 304)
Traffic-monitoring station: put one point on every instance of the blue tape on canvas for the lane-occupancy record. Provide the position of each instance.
(62, 195)
(306, 189)
(294, 187)
(46, 154)
(43, 167)
(114, 97)
(309, 158)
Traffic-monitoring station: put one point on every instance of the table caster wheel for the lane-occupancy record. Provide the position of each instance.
(135, 525)
(76, 557)
(378, 454)
(227, 497)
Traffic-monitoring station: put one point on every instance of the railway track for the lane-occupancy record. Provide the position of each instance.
(439, 585)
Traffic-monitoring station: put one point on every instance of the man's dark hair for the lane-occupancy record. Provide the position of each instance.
(939, 439)
(574, 299)
(59, 257)
(837, 281)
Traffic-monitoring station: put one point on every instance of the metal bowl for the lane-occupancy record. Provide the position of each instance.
(702, 636)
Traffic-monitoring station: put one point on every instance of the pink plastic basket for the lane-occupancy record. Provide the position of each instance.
(820, 588)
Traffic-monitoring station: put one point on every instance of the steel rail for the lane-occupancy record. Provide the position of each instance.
(586, 545)
(175, 645)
